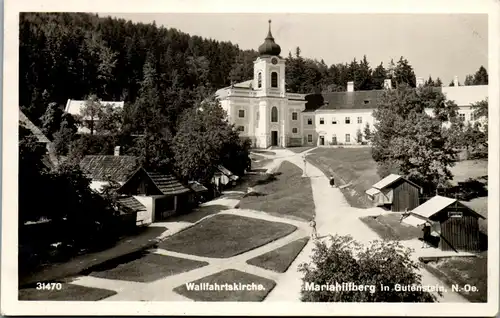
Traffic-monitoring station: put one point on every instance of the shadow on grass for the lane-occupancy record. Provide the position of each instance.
(280, 259)
(145, 267)
(389, 227)
(144, 238)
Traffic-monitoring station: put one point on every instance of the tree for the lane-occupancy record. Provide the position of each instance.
(403, 73)
(364, 78)
(410, 142)
(64, 137)
(481, 76)
(346, 261)
(51, 120)
(32, 176)
(110, 120)
(455, 134)
(469, 80)
(367, 132)
(202, 139)
(378, 77)
(429, 82)
(474, 141)
(438, 83)
(91, 112)
(242, 68)
(480, 109)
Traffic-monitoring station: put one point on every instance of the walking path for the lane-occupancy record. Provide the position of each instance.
(333, 216)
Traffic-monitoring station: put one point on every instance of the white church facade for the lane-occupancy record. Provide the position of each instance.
(265, 113)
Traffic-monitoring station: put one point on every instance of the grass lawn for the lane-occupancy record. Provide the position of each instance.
(348, 165)
(147, 268)
(67, 292)
(226, 235)
(289, 194)
(462, 271)
(466, 169)
(388, 227)
(144, 239)
(230, 277)
(280, 259)
(299, 149)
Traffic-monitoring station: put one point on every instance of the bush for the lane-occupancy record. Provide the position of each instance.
(467, 190)
(346, 261)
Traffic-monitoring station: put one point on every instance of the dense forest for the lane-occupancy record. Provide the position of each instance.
(74, 55)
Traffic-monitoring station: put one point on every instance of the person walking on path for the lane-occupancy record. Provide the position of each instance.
(332, 181)
(304, 160)
(314, 233)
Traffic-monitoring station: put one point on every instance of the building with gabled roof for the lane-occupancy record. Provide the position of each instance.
(456, 224)
(75, 107)
(266, 113)
(102, 168)
(396, 193)
(162, 193)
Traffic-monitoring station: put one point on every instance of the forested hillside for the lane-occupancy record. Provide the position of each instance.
(74, 55)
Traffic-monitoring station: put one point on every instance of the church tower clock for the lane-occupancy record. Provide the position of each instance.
(269, 69)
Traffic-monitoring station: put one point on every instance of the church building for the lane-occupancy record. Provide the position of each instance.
(260, 108)
(265, 113)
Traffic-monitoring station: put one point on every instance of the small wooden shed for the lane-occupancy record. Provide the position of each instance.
(395, 192)
(456, 224)
(163, 193)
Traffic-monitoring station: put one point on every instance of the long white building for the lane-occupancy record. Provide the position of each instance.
(265, 113)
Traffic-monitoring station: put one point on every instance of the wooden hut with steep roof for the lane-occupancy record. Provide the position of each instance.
(456, 224)
(395, 192)
(162, 193)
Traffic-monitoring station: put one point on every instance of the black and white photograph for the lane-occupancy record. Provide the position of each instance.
(267, 159)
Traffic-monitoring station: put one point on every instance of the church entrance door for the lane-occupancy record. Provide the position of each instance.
(321, 140)
(274, 138)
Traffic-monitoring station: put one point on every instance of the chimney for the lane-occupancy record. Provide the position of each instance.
(350, 86)
(455, 81)
(388, 83)
(420, 81)
(117, 150)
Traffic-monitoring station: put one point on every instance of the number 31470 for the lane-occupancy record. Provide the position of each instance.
(48, 286)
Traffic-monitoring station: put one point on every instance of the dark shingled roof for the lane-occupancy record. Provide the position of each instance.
(167, 183)
(100, 167)
(131, 203)
(343, 100)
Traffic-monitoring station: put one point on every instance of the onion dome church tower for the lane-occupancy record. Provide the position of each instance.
(269, 69)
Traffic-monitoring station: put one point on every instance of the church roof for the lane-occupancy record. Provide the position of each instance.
(269, 47)
(343, 100)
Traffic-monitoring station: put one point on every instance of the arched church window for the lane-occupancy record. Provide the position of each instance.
(274, 79)
(259, 80)
(274, 114)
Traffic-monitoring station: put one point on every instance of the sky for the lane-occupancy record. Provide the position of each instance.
(440, 45)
